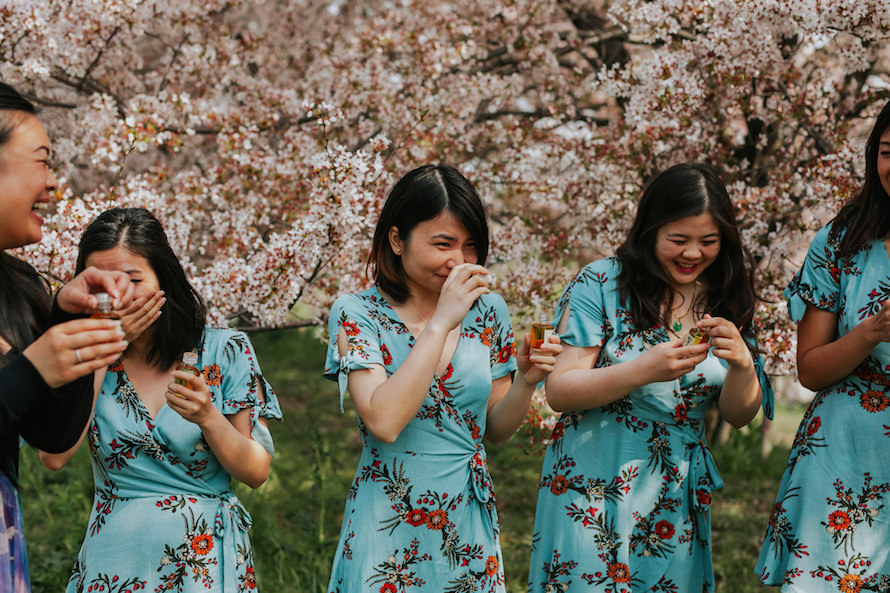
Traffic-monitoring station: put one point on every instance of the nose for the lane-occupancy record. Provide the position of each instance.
(692, 250)
(52, 184)
(455, 258)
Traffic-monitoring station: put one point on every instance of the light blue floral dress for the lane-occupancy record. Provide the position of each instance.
(625, 491)
(164, 517)
(420, 515)
(829, 529)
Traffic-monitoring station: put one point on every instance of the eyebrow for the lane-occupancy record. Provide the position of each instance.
(702, 236)
(46, 148)
(444, 236)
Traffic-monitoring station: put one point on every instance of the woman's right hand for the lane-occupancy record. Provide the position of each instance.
(878, 325)
(70, 350)
(670, 360)
(140, 314)
(465, 284)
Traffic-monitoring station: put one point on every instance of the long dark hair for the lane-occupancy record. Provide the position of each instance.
(422, 194)
(681, 191)
(866, 217)
(24, 294)
(181, 324)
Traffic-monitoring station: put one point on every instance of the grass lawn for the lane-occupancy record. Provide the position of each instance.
(297, 511)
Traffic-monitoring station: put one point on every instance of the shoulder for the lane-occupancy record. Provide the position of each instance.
(598, 272)
(356, 301)
(218, 339)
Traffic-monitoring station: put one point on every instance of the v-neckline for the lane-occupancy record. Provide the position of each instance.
(139, 398)
(394, 315)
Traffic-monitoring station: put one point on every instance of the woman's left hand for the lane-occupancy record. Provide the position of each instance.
(726, 341)
(535, 367)
(193, 401)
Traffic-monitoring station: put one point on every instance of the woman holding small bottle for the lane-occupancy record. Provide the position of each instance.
(165, 441)
(427, 355)
(625, 492)
(47, 356)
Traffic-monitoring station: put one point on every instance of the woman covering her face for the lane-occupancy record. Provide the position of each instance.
(427, 355)
(166, 441)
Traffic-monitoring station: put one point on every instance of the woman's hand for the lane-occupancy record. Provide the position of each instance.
(141, 313)
(534, 368)
(78, 295)
(727, 342)
(671, 360)
(192, 401)
(70, 350)
(465, 284)
(878, 325)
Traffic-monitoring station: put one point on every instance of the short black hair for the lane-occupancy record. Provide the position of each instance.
(422, 194)
(181, 324)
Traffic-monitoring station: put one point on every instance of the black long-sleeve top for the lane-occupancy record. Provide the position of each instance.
(49, 419)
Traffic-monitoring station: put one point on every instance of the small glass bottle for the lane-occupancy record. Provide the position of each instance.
(542, 329)
(189, 360)
(105, 308)
(696, 336)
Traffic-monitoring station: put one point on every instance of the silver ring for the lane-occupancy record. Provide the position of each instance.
(77, 355)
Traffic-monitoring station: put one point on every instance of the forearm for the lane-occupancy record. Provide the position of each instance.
(583, 389)
(505, 416)
(242, 457)
(393, 403)
(825, 365)
(740, 397)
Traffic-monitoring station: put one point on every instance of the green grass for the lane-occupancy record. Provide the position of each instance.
(297, 511)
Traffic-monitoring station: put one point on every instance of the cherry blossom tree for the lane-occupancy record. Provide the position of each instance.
(265, 134)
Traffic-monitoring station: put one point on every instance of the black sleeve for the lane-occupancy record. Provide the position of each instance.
(49, 419)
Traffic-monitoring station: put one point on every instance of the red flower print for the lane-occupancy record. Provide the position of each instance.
(815, 425)
(485, 336)
(350, 328)
(778, 509)
(388, 588)
(873, 401)
(559, 485)
(491, 566)
(212, 374)
(387, 357)
(850, 583)
(619, 572)
(416, 517)
(703, 497)
(436, 519)
(559, 430)
(116, 367)
(838, 520)
(202, 544)
(680, 413)
(664, 529)
(505, 353)
(249, 578)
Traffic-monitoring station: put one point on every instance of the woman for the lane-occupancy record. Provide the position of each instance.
(624, 497)
(829, 528)
(427, 354)
(164, 516)
(45, 366)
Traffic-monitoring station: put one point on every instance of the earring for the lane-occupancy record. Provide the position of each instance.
(397, 251)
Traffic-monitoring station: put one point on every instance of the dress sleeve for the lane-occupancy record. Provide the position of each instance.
(766, 388)
(817, 283)
(503, 343)
(362, 341)
(235, 372)
(583, 300)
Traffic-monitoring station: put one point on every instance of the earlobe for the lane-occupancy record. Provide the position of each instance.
(395, 242)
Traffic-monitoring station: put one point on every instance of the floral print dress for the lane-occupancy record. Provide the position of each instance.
(829, 529)
(625, 490)
(164, 517)
(420, 515)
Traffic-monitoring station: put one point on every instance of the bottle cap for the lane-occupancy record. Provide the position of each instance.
(190, 357)
(103, 302)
